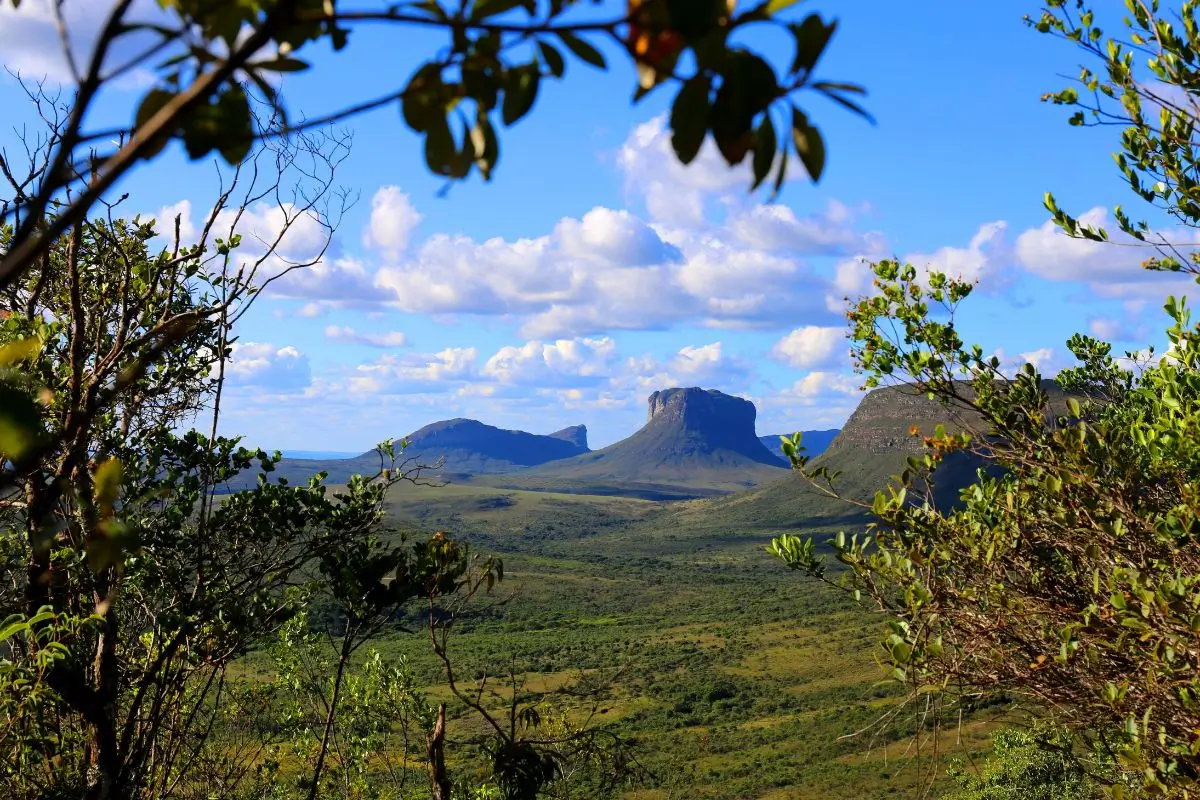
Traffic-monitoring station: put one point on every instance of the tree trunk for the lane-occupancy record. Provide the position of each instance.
(435, 751)
(104, 768)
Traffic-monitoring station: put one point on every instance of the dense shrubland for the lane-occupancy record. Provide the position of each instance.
(157, 642)
(1070, 579)
(132, 596)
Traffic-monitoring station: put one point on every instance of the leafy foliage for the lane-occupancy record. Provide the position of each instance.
(1068, 575)
(1037, 764)
(1145, 82)
(130, 589)
(1068, 579)
(207, 57)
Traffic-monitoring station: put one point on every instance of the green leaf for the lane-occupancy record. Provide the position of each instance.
(582, 49)
(21, 426)
(520, 92)
(106, 484)
(847, 103)
(440, 148)
(225, 125)
(491, 8)
(694, 18)
(748, 87)
(689, 118)
(487, 149)
(21, 350)
(781, 173)
(553, 59)
(765, 145)
(44, 614)
(811, 37)
(151, 104)
(775, 6)
(12, 628)
(416, 112)
(108, 548)
(419, 103)
(281, 64)
(460, 167)
(237, 125)
(809, 144)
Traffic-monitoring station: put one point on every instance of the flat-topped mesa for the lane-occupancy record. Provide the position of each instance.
(692, 436)
(697, 408)
(576, 435)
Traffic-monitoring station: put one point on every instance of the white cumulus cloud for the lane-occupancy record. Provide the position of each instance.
(415, 373)
(1109, 269)
(776, 227)
(565, 362)
(268, 367)
(31, 45)
(985, 260)
(812, 346)
(344, 335)
(606, 271)
(393, 219)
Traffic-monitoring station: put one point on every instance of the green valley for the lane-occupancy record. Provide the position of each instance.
(737, 680)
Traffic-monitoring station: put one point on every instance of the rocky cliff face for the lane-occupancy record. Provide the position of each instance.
(576, 435)
(692, 436)
(707, 416)
(884, 417)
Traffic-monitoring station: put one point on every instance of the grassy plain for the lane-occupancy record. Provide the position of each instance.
(738, 679)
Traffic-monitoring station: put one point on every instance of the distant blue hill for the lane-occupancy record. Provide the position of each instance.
(815, 443)
(454, 446)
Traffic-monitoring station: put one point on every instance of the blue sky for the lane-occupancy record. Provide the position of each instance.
(592, 270)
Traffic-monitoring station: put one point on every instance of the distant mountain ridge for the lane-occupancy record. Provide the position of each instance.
(454, 446)
(814, 442)
(467, 445)
(692, 437)
(695, 443)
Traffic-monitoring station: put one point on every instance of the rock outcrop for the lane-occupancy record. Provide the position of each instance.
(691, 436)
(884, 417)
(576, 435)
(705, 419)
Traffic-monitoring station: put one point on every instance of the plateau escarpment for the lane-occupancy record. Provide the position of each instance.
(693, 437)
(871, 447)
